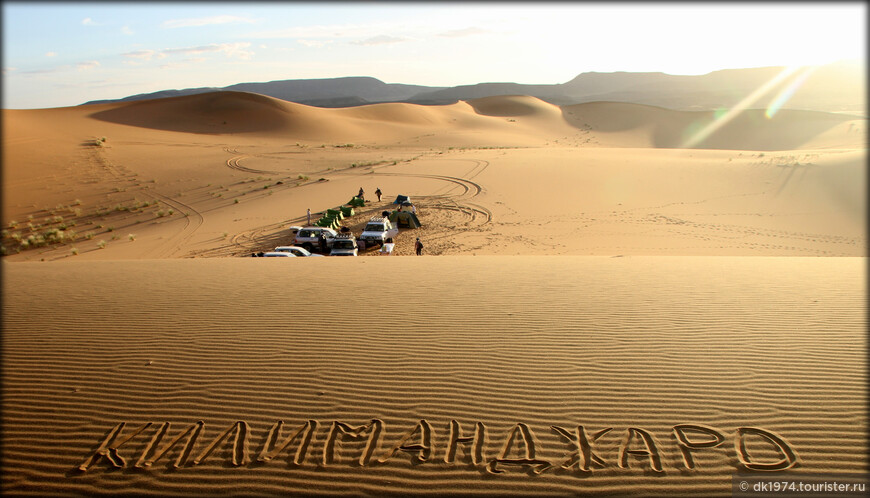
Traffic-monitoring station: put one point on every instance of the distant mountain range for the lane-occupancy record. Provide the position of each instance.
(838, 87)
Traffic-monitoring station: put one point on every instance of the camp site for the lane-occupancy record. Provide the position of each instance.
(360, 227)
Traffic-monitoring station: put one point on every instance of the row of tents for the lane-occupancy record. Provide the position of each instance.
(402, 219)
(332, 218)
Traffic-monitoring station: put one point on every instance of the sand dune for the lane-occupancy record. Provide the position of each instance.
(222, 112)
(634, 125)
(772, 345)
(246, 113)
(639, 318)
(176, 180)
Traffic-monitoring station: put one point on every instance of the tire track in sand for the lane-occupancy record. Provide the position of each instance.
(193, 220)
(456, 202)
(192, 217)
(233, 163)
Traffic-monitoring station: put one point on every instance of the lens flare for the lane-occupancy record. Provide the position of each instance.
(720, 121)
(777, 103)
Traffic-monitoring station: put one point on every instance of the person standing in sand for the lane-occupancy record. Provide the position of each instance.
(418, 247)
(322, 238)
(378, 193)
(309, 216)
(362, 193)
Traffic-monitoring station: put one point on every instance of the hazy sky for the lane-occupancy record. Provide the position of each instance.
(64, 54)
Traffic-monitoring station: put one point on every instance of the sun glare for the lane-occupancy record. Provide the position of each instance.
(720, 121)
(777, 103)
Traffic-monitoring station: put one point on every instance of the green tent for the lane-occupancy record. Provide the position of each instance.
(405, 219)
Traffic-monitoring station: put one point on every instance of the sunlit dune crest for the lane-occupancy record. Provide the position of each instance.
(244, 113)
(209, 153)
(599, 308)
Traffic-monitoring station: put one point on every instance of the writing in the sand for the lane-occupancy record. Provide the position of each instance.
(583, 451)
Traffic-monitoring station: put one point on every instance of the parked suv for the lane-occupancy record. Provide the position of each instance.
(377, 231)
(344, 245)
(309, 238)
(299, 252)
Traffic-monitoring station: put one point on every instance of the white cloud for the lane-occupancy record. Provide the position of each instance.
(126, 30)
(85, 65)
(380, 40)
(204, 21)
(89, 22)
(324, 31)
(312, 43)
(229, 49)
(51, 54)
(457, 33)
(192, 50)
(140, 54)
(235, 50)
(46, 71)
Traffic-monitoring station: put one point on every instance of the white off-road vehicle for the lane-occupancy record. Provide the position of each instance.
(309, 238)
(344, 244)
(377, 231)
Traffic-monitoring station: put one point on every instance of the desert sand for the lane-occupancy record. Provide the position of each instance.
(608, 303)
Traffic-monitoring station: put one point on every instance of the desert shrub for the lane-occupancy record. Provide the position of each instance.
(101, 244)
(303, 177)
(235, 201)
(132, 237)
(74, 251)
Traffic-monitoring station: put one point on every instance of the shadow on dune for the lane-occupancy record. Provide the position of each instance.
(748, 130)
(508, 106)
(207, 113)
